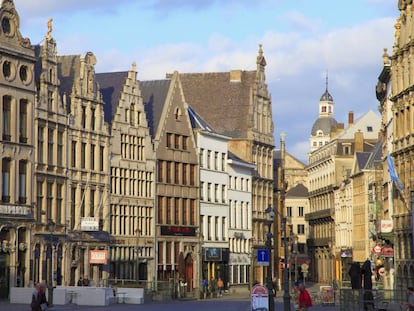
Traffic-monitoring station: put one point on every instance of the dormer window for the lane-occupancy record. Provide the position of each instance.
(369, 129)
(323, 108)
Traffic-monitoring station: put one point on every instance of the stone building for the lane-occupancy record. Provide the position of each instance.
(177, 183)
(87, 210)
(328, 167)
(238, 104)
(132, 250)
(401, 96)
(51, 172)
(17, 207)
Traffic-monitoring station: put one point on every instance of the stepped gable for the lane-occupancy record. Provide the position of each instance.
(111, 85)
(154, 94)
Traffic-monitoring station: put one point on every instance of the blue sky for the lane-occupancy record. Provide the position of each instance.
(302, 41)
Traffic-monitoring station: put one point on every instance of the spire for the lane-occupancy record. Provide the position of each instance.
(326, 80)
(326, 96)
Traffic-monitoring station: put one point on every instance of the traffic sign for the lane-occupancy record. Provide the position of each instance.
(263, 257)
(377, 249)
(259, 298)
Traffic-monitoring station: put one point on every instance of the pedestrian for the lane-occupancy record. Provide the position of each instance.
(304, 299)
(80, 281)
(39, 301)
(204, 285)
(410, 300)
(85, 281)
(212, 287)
(220, 286)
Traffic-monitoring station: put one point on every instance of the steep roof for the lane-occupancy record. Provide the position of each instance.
(362, 159)
(369, 124)
(68, 71)
(223, 102)
(154, 94)
(299, 191)
(111, 85)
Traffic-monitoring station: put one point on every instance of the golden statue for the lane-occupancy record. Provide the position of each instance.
(49, 27)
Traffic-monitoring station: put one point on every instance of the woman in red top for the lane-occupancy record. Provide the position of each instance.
(304, 299)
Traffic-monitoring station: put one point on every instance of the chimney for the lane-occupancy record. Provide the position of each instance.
(350, 118)
(359, 141)
(235, 75)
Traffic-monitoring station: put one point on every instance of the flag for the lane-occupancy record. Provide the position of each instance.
(393, 174)
(394, 178)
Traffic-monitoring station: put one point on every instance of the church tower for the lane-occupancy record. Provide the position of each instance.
(321, 129)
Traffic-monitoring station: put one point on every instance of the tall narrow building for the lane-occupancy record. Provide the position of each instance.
(132, 226)
(17, 148)
(402, 77)
(177, 235)
(238, 104)
(51, 171)
(88, 160)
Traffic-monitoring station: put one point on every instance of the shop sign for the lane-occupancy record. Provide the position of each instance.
(386, 226)
(98, 257)
(89, 224)
(213, 254)
(178, 231)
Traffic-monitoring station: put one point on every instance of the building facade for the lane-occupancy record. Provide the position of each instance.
(328, 167)
(132, 226)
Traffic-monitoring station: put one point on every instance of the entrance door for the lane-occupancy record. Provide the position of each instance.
(189, 272)
(4, 276)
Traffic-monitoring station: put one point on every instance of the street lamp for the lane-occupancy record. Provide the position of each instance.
(51, 226)
(286, 289)
(286, 295)
(269, 236)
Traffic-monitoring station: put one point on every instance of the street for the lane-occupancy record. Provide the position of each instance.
(228, 303)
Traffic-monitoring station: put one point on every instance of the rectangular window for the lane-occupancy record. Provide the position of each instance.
(223, 162)
(300, 211)
(92, 203)
(201, 157)
(168, 253)
(185, 211)
(169, 140)
(216, 161)
(50, 141)
(73, 153)
(177, 211)
(176, 141)
(93, 157)
(101, 155)
(209, 192)
(6, 180)
(192, 174)
(49, 200)
(184, 179)
(301, 229)
(168, 210)
(22, 181)
(73, 208)
(202, 190)
(216, 192)
(223, 193)
(160, 171)
(209, 159)
(60, 149)
(59, 205)
(169, 172)
(82, 205)
(192, 212)
(83, 116)
(83, 155)
(40, 144)
(39, 201)
(93, 119)
(177, 173)
(185, 142)
(23, 121)
(6, 117)
(289, 211)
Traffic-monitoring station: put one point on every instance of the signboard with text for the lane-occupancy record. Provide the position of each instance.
(89, 224)
(178, 231)
(263, 257)
(98, 257)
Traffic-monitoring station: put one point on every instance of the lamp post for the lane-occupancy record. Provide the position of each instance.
(269, 236)
(51, 226)
(331, 256)
(286, 295)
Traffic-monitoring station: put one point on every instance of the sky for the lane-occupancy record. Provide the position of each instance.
(304, 42)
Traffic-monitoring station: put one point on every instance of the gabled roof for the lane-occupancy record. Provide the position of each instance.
(154, 94)
(223, 102)
(111, 85)
(198, 122)
(361, 159)
(375, 159)
(68, 70)
(299, 191)
(369, 124)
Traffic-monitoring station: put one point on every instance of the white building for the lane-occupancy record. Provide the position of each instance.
(240, 220)
(214, 204)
